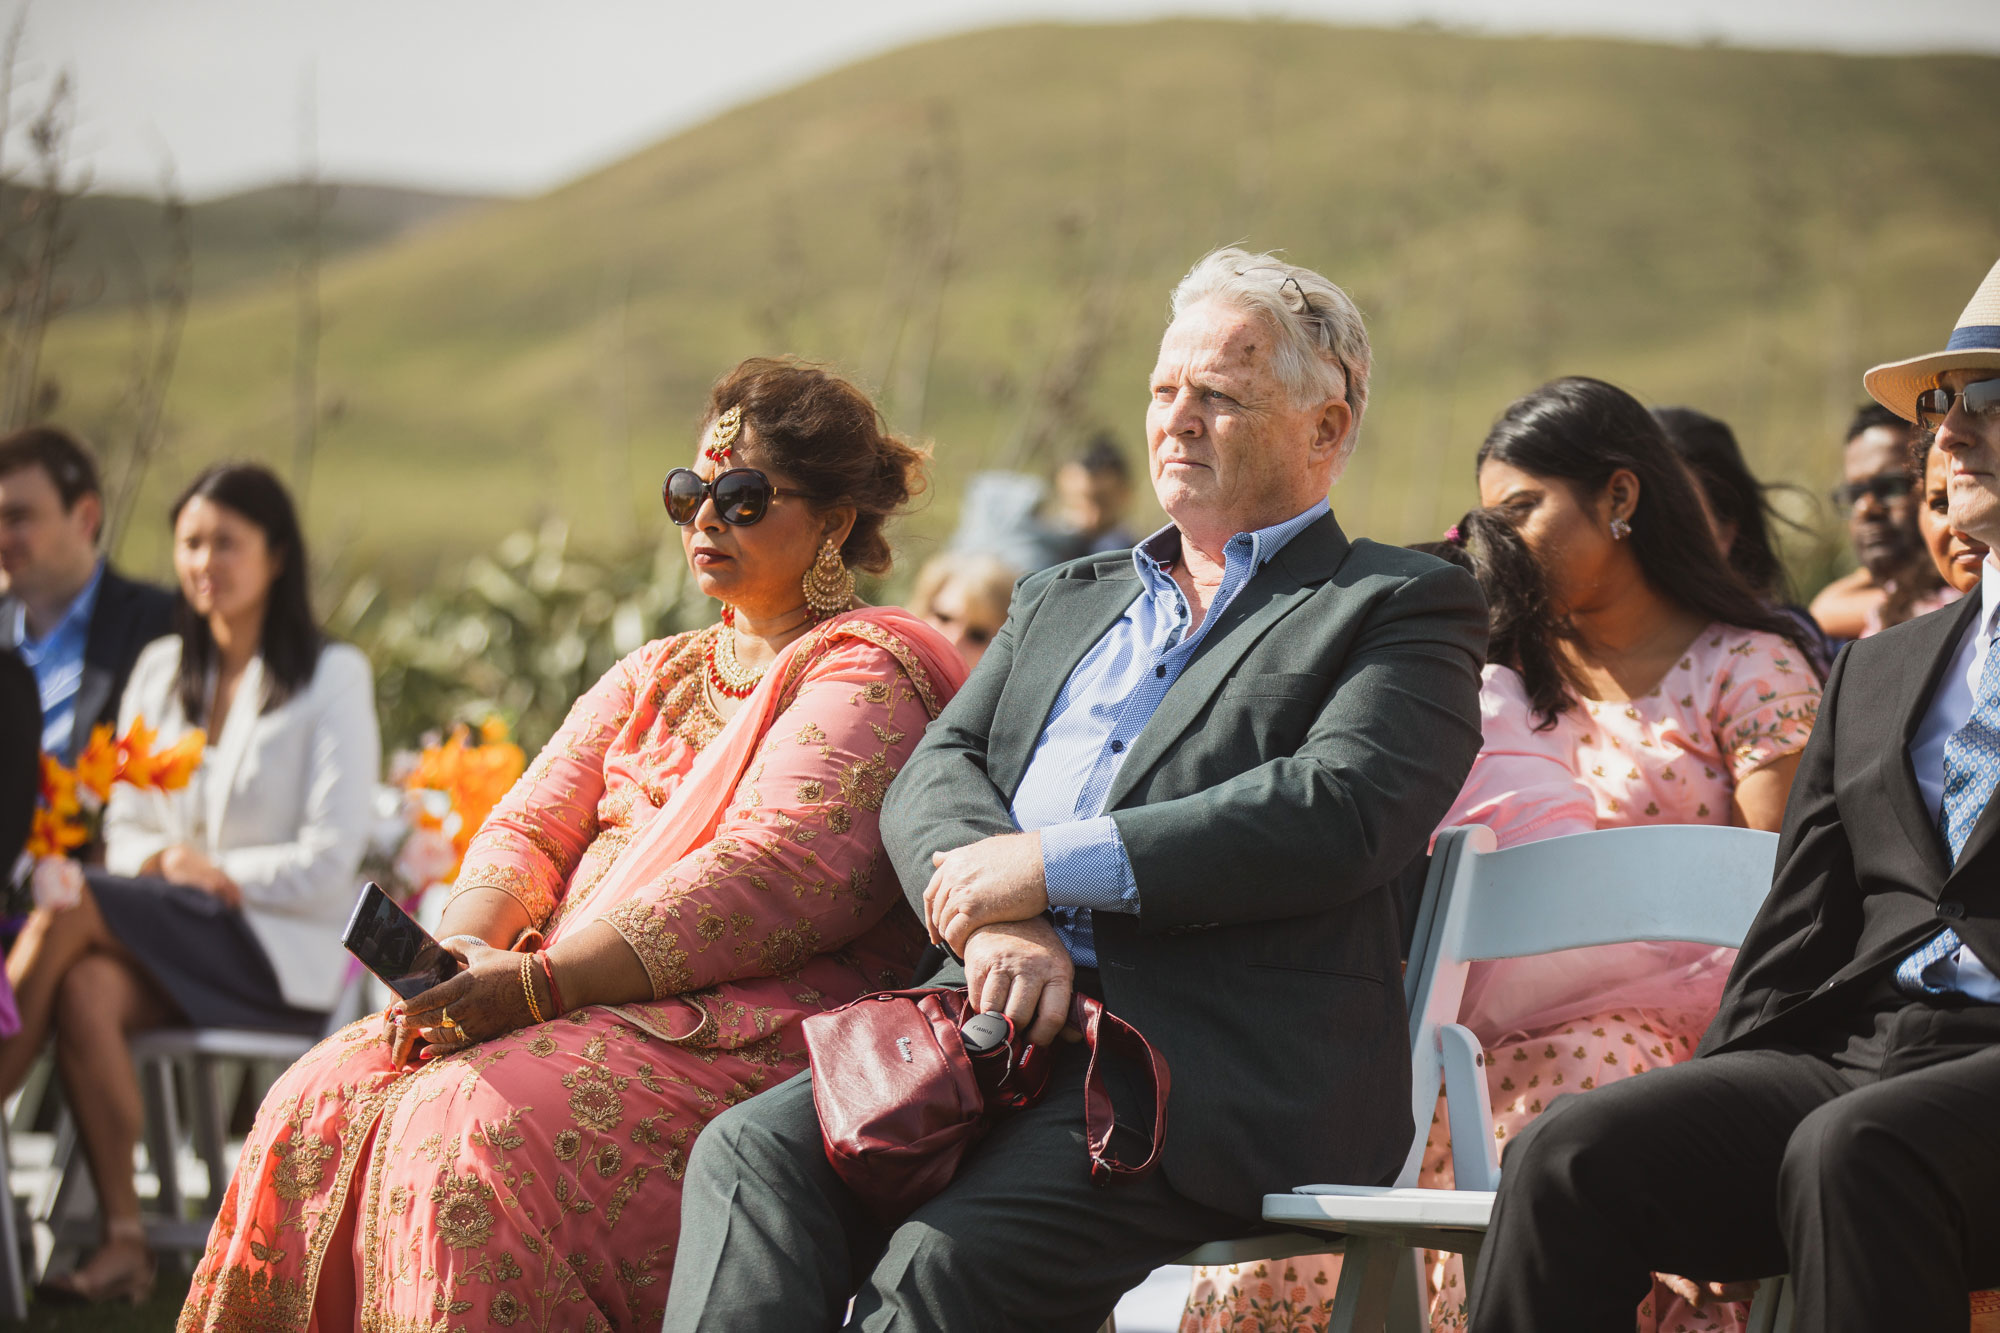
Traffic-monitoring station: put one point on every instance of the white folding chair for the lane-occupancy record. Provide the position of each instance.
(1666, 882)
(204, 1056)
(1405, 1310)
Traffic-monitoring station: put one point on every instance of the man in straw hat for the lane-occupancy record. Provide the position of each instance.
(1842, 1122)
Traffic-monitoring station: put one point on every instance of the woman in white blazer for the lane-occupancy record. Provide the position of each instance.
(221, 905)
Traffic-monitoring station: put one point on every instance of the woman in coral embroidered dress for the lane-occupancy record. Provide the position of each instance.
(689, 868)
(1634, 679)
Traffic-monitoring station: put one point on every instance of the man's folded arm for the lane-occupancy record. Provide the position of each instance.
(944, 799)
(1356, 802)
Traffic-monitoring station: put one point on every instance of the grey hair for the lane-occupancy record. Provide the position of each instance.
(1322, 346)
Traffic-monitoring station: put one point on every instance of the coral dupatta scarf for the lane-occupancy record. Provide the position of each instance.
(692, 812)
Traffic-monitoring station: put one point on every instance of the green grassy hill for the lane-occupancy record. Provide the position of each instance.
(1742, 231)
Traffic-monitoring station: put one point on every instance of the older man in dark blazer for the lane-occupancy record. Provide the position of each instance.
(1843, 1120)
(1182, 778)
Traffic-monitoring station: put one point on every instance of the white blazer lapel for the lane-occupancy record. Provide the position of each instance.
(226, 751)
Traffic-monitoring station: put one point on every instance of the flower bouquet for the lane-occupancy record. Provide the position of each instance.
(436, 800)
(69, 814)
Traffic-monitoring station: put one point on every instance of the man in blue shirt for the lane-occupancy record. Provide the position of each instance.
(73, 620)
(1183, 779)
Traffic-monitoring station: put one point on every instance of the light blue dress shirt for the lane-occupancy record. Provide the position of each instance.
(57, 661)
(1100, 712)
(1951, 967)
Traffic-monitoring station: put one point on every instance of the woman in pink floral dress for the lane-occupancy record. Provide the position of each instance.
(689, 868)
(1635, 680)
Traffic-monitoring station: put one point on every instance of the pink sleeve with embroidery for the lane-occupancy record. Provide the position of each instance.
(530, 845)
(1765, 699)
(796, 866)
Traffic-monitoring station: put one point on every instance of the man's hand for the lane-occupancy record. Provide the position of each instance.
(982, 884)
(1021, 969)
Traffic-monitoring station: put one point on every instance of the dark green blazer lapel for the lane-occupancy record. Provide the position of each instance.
(1287, 580)
(1075, 613)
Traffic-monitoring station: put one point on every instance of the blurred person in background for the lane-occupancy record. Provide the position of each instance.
(1633, 678)
(964, 597)
(78, 623)
(1741, 508)
(1878, 499)
(1093, 494)
(1958, 555)
(691, 866)
(222, 904)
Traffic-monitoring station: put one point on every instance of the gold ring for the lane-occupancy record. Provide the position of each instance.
(448, 1023)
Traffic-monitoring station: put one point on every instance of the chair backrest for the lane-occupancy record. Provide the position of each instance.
(1692, 882)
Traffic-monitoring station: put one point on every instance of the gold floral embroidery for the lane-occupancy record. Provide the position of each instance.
(464, 1218)
(866, 783)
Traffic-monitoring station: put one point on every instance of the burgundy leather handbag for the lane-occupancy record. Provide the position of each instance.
(904, 1087)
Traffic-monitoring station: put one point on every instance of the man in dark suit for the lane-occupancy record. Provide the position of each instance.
(76, 622)
(1843, 1120)
(1182, 778)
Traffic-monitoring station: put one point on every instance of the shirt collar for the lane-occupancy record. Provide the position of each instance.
(1989, 595)
(72, 619)
(1152, 556)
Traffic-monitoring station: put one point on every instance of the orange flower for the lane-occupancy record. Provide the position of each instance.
(173, 766)
(135, 754)
(53, 835)
(474, 777)
(58, 788)
(97, 766)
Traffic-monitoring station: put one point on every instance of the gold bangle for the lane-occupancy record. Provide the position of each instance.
(528, 985)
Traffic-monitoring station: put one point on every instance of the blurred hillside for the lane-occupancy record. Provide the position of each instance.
(120, 244)
(984, 228)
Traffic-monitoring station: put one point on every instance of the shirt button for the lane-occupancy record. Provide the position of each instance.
(1160, 671)
(1118, 747)
(1951, 908)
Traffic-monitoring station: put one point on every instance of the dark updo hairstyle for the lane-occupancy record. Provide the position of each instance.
(1711, 453)
(291, 638)
(1580, 431)
(1524, 625)
(826, 435)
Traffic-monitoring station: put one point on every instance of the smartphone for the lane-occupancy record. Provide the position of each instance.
(391, 944)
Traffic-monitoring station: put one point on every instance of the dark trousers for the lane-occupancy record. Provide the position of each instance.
(1864, 1161)
(771, 1239)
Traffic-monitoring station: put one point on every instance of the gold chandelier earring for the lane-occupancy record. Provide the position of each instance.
(829, 584)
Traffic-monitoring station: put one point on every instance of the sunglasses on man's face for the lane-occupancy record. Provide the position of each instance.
(1981, 399)
(1884, 486)
(742, 495)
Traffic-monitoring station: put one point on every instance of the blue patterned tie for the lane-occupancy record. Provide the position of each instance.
(1971, 770)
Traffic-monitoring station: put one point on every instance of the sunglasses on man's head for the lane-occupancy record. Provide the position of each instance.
(1979, 400)
(1884, 486)
(742, 495)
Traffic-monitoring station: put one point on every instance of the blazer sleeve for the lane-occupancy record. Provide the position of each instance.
(792, 869)
(1356, 802)
(302, 875)
(1807, 929)
(944, 797)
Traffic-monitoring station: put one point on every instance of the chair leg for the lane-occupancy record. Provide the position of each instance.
(1409, 1298)
(13, 1284)
(211, 1133)
(1771, 1312)
(1367, 1272)
(163, 1133)
(70, 1204)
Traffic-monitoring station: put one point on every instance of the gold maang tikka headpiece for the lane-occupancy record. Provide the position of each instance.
(723, 434)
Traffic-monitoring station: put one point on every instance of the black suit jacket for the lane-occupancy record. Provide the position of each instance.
(128, 616)
(1299, 763)
(1863, 874)
(20, 756)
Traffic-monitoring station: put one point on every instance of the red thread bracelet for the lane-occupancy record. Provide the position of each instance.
(549, 972)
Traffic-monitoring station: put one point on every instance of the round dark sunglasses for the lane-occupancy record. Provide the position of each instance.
(742, 495)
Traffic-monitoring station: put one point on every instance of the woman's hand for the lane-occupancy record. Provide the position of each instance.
(483, 1001)
(1700, 1294)
(181, 864)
